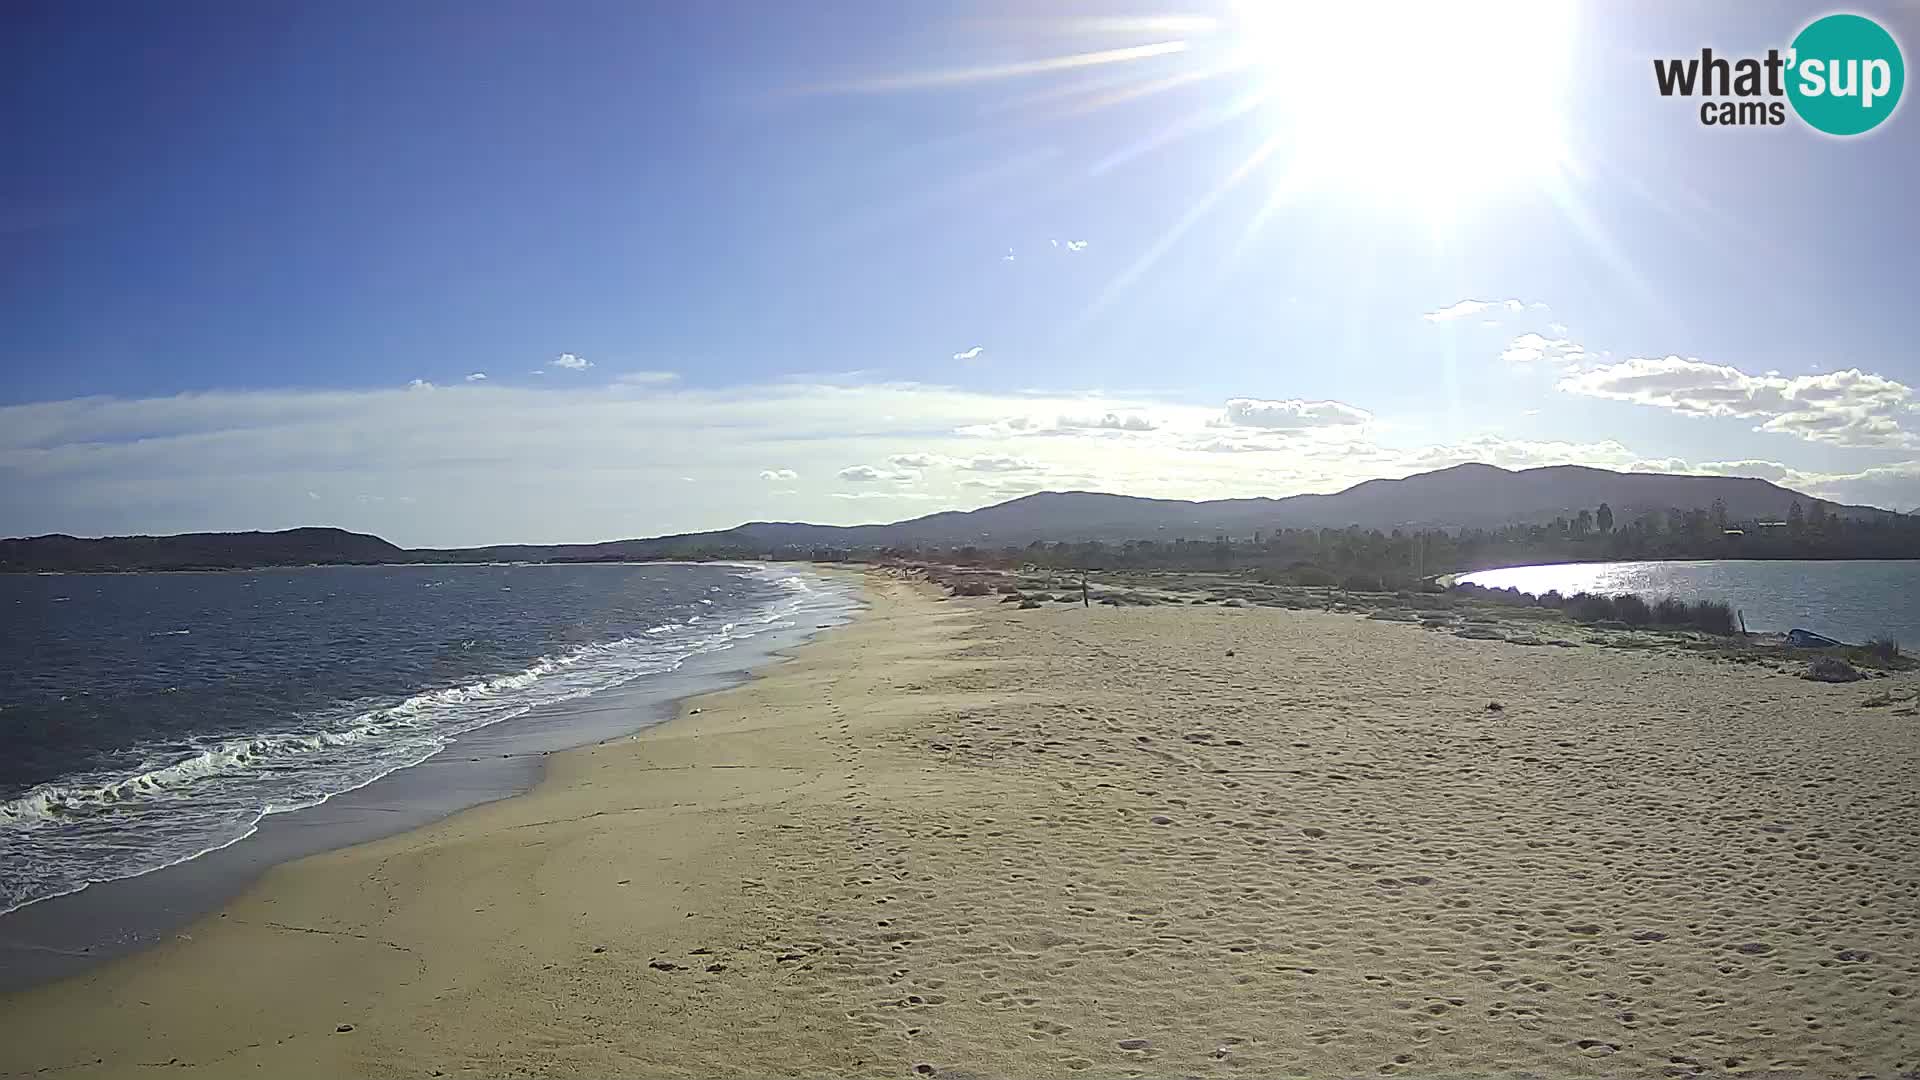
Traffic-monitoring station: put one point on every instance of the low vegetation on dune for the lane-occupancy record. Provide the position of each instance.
(1708, 627)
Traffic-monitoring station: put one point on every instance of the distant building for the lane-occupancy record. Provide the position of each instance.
(1767, 526)
(1733, 532)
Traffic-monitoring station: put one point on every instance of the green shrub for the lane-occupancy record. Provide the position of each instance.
(1632, 610)
(1309, 576)
(1671, 612)
(1586, 607)
(1714, 617)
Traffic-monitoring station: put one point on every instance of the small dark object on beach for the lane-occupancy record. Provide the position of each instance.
(599, 948)
(1494, 706)
(1831, 669)
(1229, 652)
(343, 1029)
(1026, 604)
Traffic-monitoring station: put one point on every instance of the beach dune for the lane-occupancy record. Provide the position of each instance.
(954, 838)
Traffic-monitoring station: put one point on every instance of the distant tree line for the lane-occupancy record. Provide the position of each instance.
(1371, 558)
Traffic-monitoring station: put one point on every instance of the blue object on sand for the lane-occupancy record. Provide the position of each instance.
(1807, 639)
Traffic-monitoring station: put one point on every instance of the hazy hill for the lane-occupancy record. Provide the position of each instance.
(1465, 496)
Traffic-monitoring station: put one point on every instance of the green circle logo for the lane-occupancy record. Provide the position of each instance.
(1845, 74)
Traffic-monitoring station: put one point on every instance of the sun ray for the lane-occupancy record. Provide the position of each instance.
(1187, 221)
(1190, 125)
(990, 72)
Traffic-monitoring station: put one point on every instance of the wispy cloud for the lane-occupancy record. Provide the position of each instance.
(1008, 257)
(970, 354)
(918, 461)
(1076, 245)
(999, 464)
(570, 362)
(1534, 348)
(869, 474)
(1467, 308)
(1005, 487)
(779, 474)
(419, 384)
(1108, 422)
(647, 378)
(1293, 414)
(478, 376)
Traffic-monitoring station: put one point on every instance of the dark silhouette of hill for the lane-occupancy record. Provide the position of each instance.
(1472, 496)
(197, 551)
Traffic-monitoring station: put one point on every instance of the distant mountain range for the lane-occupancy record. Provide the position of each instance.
(1465, 496)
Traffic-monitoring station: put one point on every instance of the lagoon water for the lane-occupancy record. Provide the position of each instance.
(1853, 601)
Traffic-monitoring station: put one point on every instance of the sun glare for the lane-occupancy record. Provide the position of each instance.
(1424, 103)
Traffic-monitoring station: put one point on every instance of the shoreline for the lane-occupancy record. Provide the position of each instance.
(69, 934)
(955, 836)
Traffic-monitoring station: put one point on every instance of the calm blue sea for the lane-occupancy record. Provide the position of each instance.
(1852, 601)
(149, 718)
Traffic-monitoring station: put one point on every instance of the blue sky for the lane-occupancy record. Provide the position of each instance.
(236, 242)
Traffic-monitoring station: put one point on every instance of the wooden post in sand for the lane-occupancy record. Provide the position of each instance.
(1085, 602)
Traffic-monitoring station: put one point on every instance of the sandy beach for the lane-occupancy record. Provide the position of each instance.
(957, 838)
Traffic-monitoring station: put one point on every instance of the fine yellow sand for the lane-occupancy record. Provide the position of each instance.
(956, 838)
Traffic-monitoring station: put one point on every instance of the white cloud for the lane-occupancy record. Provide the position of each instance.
(918, 461)
(778, 474)
(478, 376)
(915, 495)
(1533, 348)
(1293, 414)
(1108, 422)
(868, 474)
(1008, 257)
(419, 384)
(970, 354)
(1076, 245)
(570, 362)
(1465, 308)
(999, 464)
(1844, 408)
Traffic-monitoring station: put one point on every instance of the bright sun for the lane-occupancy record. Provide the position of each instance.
(1424, 103)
